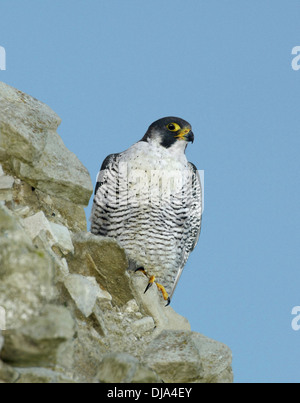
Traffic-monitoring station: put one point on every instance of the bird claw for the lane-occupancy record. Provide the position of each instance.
(159, 286)
(147, 288)
(142, 270)
(151, 281)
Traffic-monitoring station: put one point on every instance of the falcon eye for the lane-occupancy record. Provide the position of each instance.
(173, 127)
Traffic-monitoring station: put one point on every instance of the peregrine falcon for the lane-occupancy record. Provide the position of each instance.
(149, 198)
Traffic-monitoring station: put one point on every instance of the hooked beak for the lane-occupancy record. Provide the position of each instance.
(185, 134)
(190, 136)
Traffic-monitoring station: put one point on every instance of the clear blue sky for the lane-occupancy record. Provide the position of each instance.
(111, 67)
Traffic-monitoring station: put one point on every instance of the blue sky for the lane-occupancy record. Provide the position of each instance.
(109, 68)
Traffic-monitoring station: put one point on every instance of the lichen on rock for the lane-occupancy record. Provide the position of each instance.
(70, 309)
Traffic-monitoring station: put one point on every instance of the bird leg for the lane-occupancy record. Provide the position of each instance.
(164, 293)
(160, 287)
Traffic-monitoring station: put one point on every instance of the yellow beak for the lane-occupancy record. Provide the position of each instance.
(185, 134)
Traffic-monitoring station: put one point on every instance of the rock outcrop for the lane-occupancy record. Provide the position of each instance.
(69, 309)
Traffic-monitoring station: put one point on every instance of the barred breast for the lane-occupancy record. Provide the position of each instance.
(143, 199)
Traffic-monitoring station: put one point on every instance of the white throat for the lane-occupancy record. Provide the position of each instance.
(177, 150)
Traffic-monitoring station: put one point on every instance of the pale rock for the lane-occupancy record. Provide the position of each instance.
(6, 186)
(104, 259)
(124, 368)
(64, 269)
(41, 375)
(62, 238)
(55, 209)
(143, 374)
(152, 302)
(22, 211)
(131, 307)
(36, 343)
(174, 357)
(65, 212)
(84, 291)
(44, 241)
(6, 196)
(7, 373)
(82, 355)
(6, 182)
(60, 264)
(24, 124)
(216, 359)
(143, 325)
(104, 295)
(3, 154)
(37, 223)
(33, 151)
(56, 234)
(26, 273)
(2, 323)
(64, 176)
(180, 357)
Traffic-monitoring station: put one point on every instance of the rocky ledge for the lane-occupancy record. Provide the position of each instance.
(69, 309)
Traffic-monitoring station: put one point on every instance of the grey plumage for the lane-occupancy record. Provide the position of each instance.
(149, 198)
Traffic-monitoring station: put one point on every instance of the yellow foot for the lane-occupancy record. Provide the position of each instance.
(160, 287)
(164, 293)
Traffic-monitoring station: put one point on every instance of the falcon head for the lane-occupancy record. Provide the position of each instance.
(169, 132)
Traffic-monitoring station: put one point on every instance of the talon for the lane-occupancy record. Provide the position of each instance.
(151, 281)
(159, 286)
(142, 270)
(147, 288)
(164, 293)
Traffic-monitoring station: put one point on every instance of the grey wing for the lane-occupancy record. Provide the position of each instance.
(193, 221)
(195, 217)
(105, 195)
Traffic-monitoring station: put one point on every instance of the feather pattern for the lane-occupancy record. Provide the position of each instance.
(149, 198)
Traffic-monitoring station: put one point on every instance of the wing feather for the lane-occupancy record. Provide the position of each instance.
(106, 184)
(193, 222)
